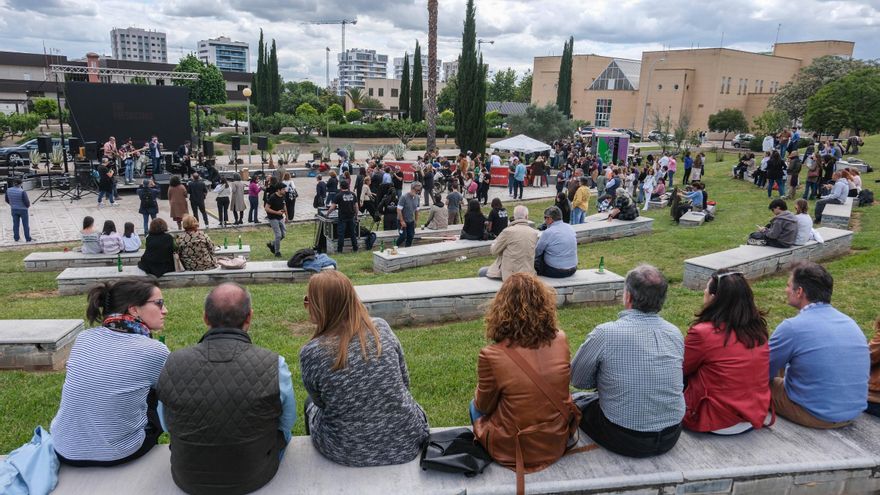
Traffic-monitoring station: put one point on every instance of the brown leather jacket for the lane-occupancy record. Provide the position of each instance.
(513, 405)
(874, 380)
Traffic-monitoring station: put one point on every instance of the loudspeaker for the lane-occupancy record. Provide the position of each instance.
(208, 148)
(161, 178)
(91, 150)
(73, 145)
(44, 144)
(236, 143)
(169, 160)
(262, 143)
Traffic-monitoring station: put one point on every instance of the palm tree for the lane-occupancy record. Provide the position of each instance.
(356, 95)
(432, 76)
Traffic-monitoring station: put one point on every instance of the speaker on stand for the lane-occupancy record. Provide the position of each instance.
(236, 147)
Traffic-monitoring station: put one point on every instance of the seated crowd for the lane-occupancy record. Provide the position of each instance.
(229, 406)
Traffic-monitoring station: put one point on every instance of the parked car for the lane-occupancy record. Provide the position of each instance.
(21, 152)
(634, 135)
(742, 140)
(656, 135)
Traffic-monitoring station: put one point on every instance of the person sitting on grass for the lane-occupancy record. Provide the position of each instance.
(130, 240)
(359, 411)
(107, 414)
(111, 241)
(91, 239)
(725, 357)
(508, 401)
(819, 360)
(782, 230)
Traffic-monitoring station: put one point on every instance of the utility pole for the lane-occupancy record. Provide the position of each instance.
(328, 67)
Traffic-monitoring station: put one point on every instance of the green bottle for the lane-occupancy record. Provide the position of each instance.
(601, 264)
(382, 246)
(118, 262)
(239, 241)
(225, 242)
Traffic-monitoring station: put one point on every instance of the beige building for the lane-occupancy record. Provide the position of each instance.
(387, 91)
(699, 82)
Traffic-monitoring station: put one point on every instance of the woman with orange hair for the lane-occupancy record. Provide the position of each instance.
(359, 411)
(522, 410)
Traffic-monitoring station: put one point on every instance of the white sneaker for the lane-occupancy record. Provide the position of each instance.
(114, 204)
(100, 205)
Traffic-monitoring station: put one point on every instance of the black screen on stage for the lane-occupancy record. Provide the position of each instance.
(99, 110)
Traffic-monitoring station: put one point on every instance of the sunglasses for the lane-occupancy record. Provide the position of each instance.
(158, 302)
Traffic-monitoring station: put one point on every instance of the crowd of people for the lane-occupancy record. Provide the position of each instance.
(229, 406)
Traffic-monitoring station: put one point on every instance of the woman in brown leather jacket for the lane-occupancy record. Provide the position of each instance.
(522, 410)
(874, 381)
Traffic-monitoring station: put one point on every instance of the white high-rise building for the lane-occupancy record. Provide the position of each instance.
(139, 44)
(450, 71)
(398, 67)
(227, 55)
(357, 64)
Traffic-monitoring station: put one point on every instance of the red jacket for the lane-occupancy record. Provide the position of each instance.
(725, 385)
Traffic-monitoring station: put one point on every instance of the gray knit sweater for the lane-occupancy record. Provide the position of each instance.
(364, 414)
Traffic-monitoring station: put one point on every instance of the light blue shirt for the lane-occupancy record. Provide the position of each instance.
(826, 361)
(558, 244)
(695, 197)
(839, 191)
(288, 402)
(520, 172)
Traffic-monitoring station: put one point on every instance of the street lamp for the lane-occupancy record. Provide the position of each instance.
(480, 44)
(247, 94)
(647, 91)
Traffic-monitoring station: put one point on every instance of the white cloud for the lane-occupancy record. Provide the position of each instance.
(521, 29)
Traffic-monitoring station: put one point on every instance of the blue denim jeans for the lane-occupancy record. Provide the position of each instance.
(253, 213)
(147, 218)
(129, 170)
(517, 186)
(20, 217)
(577, 216)
(346, 227)
(405, 239)
(473, 412)
(102, 194)
(780, 183)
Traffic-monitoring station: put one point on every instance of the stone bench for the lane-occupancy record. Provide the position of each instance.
(657, 205)
(422, 236)
(692, 219)
(758, 261)
(861, 166)
(80, 280)
(781, 459)
(838, 216)
(48, 261)
(595, 228)
(37, 345)
(416, 303)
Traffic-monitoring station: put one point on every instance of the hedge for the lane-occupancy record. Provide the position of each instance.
(379, 130)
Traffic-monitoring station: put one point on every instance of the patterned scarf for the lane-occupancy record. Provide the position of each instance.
(125, 323)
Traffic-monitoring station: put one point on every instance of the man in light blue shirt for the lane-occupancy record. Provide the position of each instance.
(837, 196)
(823, 354)
(519, 177)
(556, 252)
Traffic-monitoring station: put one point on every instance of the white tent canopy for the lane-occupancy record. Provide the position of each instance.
(521, 143)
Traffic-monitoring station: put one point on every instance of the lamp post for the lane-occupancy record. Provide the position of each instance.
(247, 94)
(647, 91)
(480, 44)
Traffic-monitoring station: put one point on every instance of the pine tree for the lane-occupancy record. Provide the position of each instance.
(403, 102)
(416, 96)
(563, 89)
(470, 107)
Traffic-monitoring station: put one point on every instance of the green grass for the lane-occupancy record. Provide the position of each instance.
(442, 358)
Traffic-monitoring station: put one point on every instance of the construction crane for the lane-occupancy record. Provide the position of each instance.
(343, 22)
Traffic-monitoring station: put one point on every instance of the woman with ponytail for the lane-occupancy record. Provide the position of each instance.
(108, 405)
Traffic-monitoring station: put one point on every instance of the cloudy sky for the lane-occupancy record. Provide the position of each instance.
(521, 29)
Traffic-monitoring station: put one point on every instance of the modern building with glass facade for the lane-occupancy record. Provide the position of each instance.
(227, 55)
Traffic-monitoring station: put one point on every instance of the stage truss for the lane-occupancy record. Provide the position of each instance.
(111, 71)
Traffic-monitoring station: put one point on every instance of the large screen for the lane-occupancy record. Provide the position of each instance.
(98, 111)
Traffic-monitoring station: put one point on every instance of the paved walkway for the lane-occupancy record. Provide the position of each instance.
(59, 220)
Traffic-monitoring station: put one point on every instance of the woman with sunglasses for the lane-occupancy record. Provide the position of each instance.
(360, 411)
(108, 405)
(726, 360)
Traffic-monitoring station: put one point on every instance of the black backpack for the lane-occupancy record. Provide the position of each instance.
(148, 200)
(296, 261)
(866, 197)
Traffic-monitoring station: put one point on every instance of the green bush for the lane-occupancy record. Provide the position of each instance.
(381, 129)
(756, 143)
(353, 115)
(417, 147)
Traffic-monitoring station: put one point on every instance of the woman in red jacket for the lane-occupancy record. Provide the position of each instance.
(727, 360)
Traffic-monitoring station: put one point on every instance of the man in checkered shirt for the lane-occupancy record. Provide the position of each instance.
(635, 365)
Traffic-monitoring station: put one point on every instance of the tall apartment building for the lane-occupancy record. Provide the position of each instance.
(227, 55)
(398, 67)
(357, 64)
(139, 45)
(613, 92)
(450, 70)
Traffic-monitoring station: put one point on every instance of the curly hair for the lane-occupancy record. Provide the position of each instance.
(523, 312)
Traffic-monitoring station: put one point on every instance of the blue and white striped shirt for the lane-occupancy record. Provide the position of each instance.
(103, 408)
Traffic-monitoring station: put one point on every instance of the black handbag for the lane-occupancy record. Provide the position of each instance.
(454, 451)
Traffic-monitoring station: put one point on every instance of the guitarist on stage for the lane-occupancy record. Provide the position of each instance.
(129, 155)
(183, 156)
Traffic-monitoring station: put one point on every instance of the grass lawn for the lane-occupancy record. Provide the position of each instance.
(442, 358)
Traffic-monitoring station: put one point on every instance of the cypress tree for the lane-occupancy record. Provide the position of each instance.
(403, 102)
(563, 89)
(266, 83)
(256, 87)
(470, 107)
(416, 95)
(274, 81)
